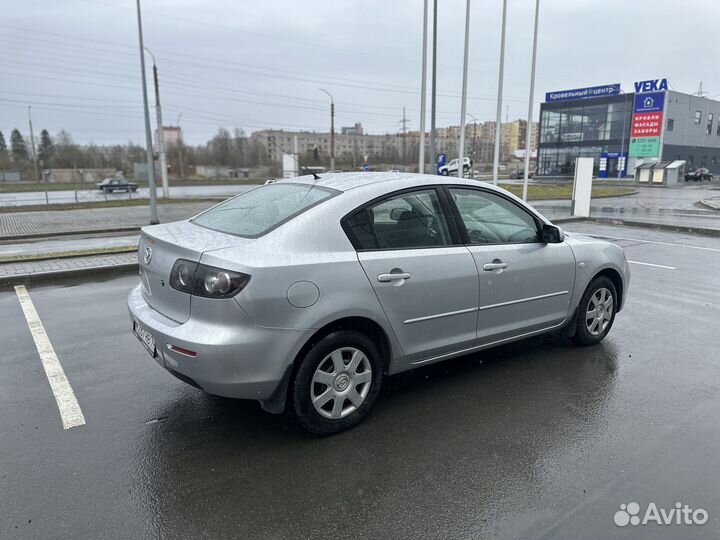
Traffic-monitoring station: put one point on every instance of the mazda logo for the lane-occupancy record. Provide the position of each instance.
(147, 256)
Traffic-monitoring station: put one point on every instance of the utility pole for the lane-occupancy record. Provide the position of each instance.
(32, 145)
(180, 147)
(475, 123)
(498, 116)
(463, 100)
(332, 129)
(528, 144)
(160, 130)
(423, 91)
(404, 122)
(148, 135)
(433, 92)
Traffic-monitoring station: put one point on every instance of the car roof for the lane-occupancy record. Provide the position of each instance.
(355, 180)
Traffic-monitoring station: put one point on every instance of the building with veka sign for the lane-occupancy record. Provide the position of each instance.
(621, 130)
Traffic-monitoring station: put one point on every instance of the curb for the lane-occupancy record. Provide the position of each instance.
(531, 201)
(33, 236)
(75, 273)
(53, 257)
(644, 225)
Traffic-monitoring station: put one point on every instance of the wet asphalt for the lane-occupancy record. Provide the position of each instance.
(537, 439)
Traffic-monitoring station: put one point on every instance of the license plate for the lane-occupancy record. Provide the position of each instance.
(145, 338)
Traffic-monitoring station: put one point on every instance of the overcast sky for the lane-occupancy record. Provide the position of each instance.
(259, 64)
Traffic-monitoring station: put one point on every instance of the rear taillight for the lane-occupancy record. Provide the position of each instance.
(206, 281)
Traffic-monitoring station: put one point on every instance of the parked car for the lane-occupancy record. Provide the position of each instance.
(519, 174)
(699, 175)
(110, 185)
(305, 293)
(452, 167)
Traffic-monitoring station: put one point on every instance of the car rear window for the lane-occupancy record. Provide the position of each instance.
(255, 212)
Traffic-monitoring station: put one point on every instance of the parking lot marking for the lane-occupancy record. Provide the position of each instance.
(68, 405)
(653, 265)
(654, 242)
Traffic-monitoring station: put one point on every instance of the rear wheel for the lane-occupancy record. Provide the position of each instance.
(596, 312)
(337, 382)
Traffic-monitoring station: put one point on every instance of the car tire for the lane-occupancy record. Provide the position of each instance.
(592, 330)
(322, 390)
(444, 172)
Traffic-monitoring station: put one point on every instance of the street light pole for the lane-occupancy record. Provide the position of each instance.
(160, 130)
(463, 100)
(148, 135)
(498, 116)
(423, 91)
(528, 134)
(433, 92)
(622, 159)
(332, 128)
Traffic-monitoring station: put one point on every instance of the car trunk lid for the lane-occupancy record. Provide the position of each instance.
(160, 247)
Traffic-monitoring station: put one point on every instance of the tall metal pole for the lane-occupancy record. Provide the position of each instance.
(433, 92)
(180, 147)
(463, 100)
(498, 116)
(32, 145)
(621, 159)
(332, 128)
(148, 134)
(528, 136)
(423, 91)
(160, 131)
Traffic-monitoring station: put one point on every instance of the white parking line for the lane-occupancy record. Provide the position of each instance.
(653, 242)
(653, 265)
(68, 405)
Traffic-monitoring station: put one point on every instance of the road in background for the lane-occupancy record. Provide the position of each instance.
(537, 439)
(94, 195)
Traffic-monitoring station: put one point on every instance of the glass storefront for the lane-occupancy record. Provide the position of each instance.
(582, 128)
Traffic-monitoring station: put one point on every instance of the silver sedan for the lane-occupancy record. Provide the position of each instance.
(304, 293)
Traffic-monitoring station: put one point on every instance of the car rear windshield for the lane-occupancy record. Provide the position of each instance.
(260, 210)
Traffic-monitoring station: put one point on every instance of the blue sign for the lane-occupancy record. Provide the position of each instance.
(650, 102)
(621, 164)
(583, 93)
(366, 167)
(653, 85)
(441, 160)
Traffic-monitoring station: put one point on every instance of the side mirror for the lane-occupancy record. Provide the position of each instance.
(552, 234)
(395, 213)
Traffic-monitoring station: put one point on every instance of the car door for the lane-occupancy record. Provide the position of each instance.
(425, 280)
(525, 284)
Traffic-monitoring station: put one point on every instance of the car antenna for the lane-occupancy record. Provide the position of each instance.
(297, 160)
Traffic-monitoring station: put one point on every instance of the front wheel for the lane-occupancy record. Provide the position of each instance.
(337, 382)
(444, 172)
(596, 312)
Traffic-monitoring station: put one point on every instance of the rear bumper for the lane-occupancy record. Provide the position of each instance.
(235, 358)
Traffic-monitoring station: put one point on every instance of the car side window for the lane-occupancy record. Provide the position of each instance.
(407, 220)
(492, 219)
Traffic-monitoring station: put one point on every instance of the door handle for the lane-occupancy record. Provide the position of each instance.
(497, 264)
(385, 278)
